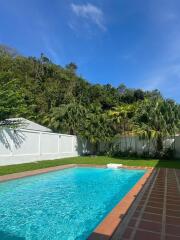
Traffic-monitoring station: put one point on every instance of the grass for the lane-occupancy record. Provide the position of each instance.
(100, 160)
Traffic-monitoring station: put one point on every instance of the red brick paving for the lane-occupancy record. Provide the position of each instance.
(157, 214)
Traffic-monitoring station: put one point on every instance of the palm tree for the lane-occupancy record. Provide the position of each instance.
(66, 118)
(157, 120)
(122, 117)
(97, 127)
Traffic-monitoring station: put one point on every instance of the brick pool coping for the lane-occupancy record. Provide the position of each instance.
(30, 173)
(13, 176)
(109, 225)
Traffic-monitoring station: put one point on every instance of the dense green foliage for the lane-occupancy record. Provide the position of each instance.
(59, 98)
(158, 119)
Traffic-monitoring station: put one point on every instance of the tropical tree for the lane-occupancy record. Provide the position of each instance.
(157, 120)
(122, 118)
(11, 100)
(66, 118)
(97, 127)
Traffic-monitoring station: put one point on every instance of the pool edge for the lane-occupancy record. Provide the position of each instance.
(14, 176)
(108, 226)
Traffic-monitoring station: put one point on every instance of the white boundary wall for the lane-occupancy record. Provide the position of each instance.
(177, 146)
(139, 146)
(22, 146)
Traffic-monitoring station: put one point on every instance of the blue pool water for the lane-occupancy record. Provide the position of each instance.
(62, 205)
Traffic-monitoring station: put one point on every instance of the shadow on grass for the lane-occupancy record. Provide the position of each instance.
(149, 162)
(168, 164)
(133, 158)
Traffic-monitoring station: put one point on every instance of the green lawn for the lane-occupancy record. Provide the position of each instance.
(89, 160)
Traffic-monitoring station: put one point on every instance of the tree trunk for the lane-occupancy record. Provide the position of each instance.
(96, 148)
(159, 144)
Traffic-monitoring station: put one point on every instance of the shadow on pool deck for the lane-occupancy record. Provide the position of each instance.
(10, 236)
(97, 236)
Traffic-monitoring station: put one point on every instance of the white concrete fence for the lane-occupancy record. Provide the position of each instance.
(177, 146)
(22, 146)
(140, 146)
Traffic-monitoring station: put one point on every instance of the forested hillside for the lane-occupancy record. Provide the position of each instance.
(57, 97)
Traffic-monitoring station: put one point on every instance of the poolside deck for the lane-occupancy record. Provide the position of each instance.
(156, 214)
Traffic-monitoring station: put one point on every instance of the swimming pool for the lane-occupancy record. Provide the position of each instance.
(62, 205)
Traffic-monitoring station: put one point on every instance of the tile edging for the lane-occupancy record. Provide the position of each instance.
(108, 226)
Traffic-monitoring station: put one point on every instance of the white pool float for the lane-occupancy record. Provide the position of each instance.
(114, 165)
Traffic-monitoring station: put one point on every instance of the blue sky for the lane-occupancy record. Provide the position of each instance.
(135, 42)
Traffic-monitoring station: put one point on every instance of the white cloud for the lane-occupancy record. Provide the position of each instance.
(167, 80)
(91, 13)
(51, 48)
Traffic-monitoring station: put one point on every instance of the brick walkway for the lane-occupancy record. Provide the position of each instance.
(157, 214)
